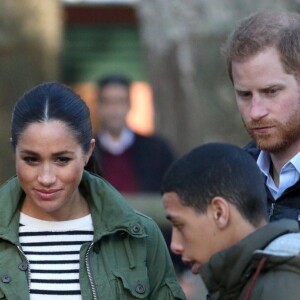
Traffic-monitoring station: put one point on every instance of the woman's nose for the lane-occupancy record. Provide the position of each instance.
(46, 175)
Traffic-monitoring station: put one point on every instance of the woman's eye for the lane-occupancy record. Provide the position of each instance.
(30, 160)
(63, 160)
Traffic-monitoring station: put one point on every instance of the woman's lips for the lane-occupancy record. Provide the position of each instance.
(47, 194)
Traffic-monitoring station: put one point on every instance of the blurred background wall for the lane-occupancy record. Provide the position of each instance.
(170, 49)
(194, 100)
(31, 38)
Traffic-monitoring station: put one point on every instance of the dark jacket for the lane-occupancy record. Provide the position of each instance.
(127, 258)
(263, 266)
(151, 157)
(288, 204)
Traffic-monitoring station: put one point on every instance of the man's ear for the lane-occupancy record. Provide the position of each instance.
(219, 209)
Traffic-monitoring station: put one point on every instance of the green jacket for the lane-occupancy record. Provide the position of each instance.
(230, 274)
(128, 258)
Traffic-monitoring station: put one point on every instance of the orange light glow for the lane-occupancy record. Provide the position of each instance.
(141, 115)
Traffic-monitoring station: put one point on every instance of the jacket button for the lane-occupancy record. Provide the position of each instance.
(136, 228)
(140, 289)
(6, 278)
(23, 266)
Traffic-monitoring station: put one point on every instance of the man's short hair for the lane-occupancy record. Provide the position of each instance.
(218, 169)
(114, 79)
(263, 30)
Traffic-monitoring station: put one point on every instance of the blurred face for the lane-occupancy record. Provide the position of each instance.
(269, 102)
(193, 234)
(113, 108)
(49, 165)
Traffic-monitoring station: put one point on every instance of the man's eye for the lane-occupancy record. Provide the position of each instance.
(178, 226)
(245, 94)
(271, 91)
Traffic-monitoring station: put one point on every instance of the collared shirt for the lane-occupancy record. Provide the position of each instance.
(288, 176)
(117, 147)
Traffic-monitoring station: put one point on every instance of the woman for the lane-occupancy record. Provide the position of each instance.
(65, 233)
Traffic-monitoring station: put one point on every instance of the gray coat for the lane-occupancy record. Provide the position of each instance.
(275, 247)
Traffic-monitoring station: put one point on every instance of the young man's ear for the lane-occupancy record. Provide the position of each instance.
(220, 212)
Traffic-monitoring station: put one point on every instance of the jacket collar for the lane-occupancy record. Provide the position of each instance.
(219, 275)
(252, 149)
(110, 211)
(11, 196)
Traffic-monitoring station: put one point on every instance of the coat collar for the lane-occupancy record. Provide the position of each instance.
(110, 211)
(220, 275)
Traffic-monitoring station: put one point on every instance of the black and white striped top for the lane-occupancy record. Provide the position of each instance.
(52, 249)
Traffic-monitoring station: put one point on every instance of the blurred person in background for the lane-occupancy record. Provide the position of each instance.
(215, 198)
(131, 162)
(66, 233)
(263, 62)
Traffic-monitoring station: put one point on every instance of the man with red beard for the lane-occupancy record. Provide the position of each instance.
(263, 61)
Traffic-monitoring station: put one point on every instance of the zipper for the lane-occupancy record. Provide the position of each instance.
(28, 268)
(272, 210)
(89, 271)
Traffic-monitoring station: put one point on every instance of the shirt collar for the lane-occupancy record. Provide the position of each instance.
(295, 161)
(264, 161)
(117, 147)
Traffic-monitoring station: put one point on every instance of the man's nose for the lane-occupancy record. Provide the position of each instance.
(258, 109)
(176, 244)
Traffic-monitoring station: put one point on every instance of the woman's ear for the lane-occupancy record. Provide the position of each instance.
(220, 211)
(90, 151)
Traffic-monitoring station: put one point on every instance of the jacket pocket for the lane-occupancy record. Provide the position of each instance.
(132, 283)
(175, 290)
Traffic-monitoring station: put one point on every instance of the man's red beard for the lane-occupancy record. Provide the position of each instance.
(282, 136)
